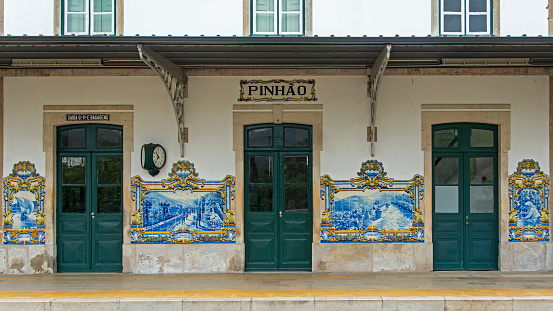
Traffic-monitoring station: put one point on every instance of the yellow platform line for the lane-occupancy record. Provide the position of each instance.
(271, 293)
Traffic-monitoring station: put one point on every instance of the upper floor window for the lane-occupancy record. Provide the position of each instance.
(89, 17)
(465, 17)
(278, 17)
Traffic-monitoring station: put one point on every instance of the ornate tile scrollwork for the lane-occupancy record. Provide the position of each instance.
(372, 208)
(528, 196)
(24, 205)
(183, 208)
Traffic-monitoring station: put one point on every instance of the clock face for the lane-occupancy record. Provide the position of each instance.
(158, 156)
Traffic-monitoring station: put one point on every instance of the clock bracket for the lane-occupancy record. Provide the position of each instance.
(176, 83)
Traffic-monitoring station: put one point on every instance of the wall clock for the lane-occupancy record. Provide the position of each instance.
(152, 158)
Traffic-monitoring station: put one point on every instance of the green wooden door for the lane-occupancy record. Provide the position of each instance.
(89, 198)
(465, 197)
(278, 197)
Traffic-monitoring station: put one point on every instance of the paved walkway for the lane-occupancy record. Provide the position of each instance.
(490, 290)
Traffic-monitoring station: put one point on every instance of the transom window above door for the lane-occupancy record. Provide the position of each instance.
(465, 17)
(89, 17)
(278, 17)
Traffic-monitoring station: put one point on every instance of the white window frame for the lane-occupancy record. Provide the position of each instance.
(277, 4)
(465, 20)
(90, 15)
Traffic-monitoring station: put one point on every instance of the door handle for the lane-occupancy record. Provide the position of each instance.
(280, 214)
(92, 214)
(467, 223)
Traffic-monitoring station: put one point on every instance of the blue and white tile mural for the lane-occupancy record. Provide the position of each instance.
(372, 207)
(23, 195)
(528, 196)
(183, 208)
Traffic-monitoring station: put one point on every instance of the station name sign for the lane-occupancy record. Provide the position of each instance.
(88, 117)
(277, 90)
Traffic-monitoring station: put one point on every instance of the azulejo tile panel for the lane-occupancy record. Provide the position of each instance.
(528, 196)
(183, 208)
(24, 205)
(372, 208)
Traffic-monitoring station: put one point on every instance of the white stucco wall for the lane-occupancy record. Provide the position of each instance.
(523, 17)
(372, 18)
(180, 17)
(30, 17)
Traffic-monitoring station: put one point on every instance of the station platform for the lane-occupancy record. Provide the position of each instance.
(279, 291)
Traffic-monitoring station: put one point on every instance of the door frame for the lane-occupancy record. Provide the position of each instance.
(496, 114)
(56, 115)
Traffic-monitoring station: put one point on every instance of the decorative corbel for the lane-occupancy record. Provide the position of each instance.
(176, 83)
(375, 76)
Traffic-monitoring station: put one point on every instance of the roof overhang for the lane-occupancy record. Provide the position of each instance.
(261, 52)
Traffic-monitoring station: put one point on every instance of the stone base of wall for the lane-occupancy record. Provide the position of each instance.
(26, 259)
(359, 257)
(187, 258)
(526, 256)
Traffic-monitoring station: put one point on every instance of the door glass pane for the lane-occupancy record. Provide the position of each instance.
(452, 5)
(446, 199)
(478, 6)
(75, 138)
(103, 5)
(73, 170)
(481, 170)
(452, 23)
(291, 5)
(295, 198)
(102, 23)
(262, 137)
(265, 23)
(76, 23)
(109, 138)
(295, 169)
(73, 199)
(261, 198)
(446, 138)
(261, 169)
(109, 170)
(76, 5)
(296, 137)
(290, 23)
(481, 138)
(109, 199)
(265, 5)
(478, 23)
(481, 199)
(446, 171)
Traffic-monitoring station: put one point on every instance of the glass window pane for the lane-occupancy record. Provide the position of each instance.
(446, 138)
(76, 23)
(481, 199)
(290, 22)
(452, 23)
(478, 5)
(76, 5)
(103, 5)
(452, 5)
(481, 138)
(75, 138)
(102, 23)
(261, 198)
(265, 22)
(262, 137)
(481, 170)
(265, 5)
(296, 137)
(109, 170)
(446, 171)
(109, 199)
(73, 199)
(109, 138)
(446, 199)
(478, 23)
(291, 5)
(295, 169)
(261, 169)
(295, 198)
(73, 170)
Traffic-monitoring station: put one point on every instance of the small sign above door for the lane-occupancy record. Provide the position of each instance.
(88, 117)
(277, 90)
